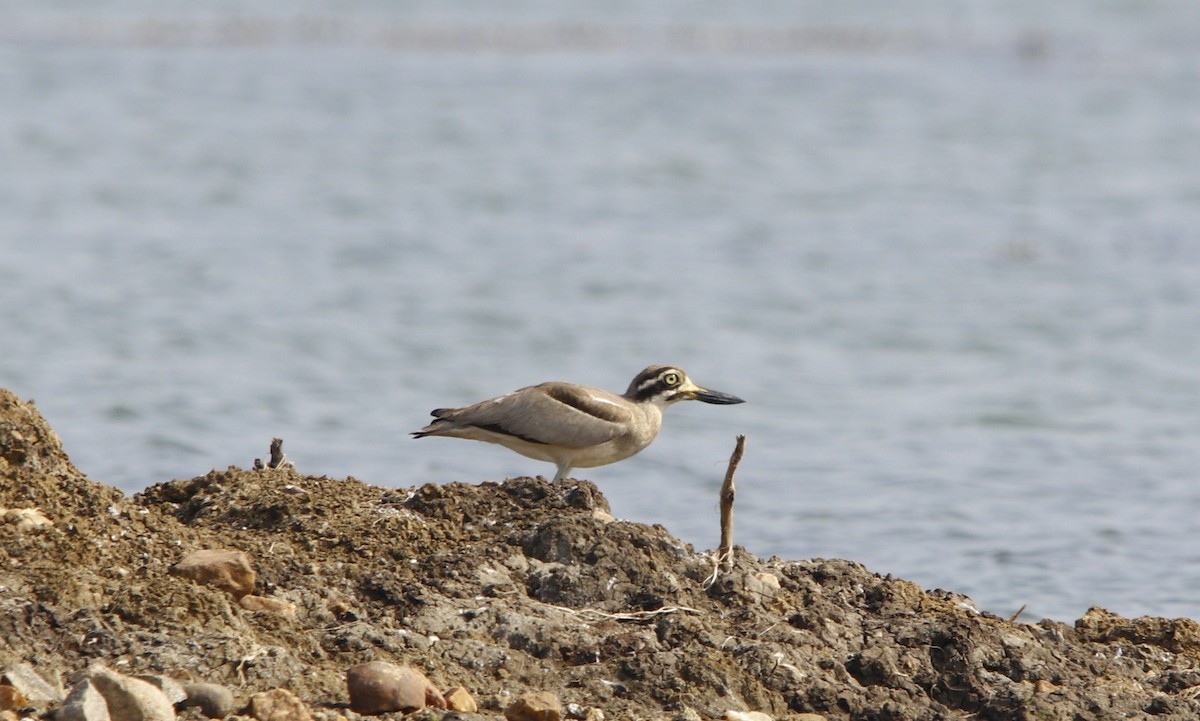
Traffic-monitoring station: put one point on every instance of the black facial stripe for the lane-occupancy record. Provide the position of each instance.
(655, 388)
(647, 391)
(649, 383)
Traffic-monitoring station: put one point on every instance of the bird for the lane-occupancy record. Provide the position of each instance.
(575, 426)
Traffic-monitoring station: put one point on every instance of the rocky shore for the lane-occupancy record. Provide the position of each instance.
(522, 600)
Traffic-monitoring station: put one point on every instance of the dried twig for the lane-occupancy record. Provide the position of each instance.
(723, 561)
(725, 550)
(1013, 618)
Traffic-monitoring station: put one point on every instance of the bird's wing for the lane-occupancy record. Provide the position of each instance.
(559, 414)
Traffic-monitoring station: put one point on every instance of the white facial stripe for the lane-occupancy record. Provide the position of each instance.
(649, 382)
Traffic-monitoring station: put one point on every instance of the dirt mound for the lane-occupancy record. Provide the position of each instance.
(522, 585)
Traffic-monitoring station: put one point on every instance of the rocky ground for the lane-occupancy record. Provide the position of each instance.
(507, 588)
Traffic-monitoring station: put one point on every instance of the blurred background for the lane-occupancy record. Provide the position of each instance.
(948, 252)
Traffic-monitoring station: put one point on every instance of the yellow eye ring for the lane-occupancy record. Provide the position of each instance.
(671, 379)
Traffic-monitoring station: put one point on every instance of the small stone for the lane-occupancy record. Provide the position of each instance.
(584, 713)
(9, 715)
(84, 703)
(11, 698)
(747, 716)
(770, 580)
(278, 705)
(534, 706)
(459, 699)
(602, 515)
(33, 687)
(269, 605)
(381, 687)
(1043, 686)
(807, 717)
(227, 570)
(130, 699)
(213, 700)
(26, 518)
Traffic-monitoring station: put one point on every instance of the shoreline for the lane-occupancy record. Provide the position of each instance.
(507, 589)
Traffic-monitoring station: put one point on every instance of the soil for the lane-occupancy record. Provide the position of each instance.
(523, 585)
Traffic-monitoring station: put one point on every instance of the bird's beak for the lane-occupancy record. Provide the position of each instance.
(696, 393)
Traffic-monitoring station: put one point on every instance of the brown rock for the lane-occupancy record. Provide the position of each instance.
(11, 698)
(459, 699)
(381, 687)
(534, 706)
(225, 569)
(9, 715)
(270, 605)
(278, 705)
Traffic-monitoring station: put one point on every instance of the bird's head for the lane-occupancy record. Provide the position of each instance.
(663, 385)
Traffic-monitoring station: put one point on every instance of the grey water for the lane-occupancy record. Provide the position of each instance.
(949, 253)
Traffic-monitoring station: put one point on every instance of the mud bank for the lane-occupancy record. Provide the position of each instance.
(507, 588)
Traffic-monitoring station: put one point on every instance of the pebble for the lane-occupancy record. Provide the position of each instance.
(286, 609)
(213, 700)
(747, 716)
(534, 706)
(225, 569)
(11, 698)
(770, 580)
(33, 687)
(459, 699)
(278, 705)
(381, 687)
(584, 713)
(130, 699)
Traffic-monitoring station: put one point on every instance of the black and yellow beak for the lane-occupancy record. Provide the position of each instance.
(694, 392)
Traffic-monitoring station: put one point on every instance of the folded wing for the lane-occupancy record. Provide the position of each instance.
(558, 414)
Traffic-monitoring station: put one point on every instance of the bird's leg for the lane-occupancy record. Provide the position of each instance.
(563, 469)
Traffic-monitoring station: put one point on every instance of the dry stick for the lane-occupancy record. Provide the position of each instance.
(725, 550)
(723, 560)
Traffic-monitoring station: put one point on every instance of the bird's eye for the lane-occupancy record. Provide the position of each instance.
(671, 379)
